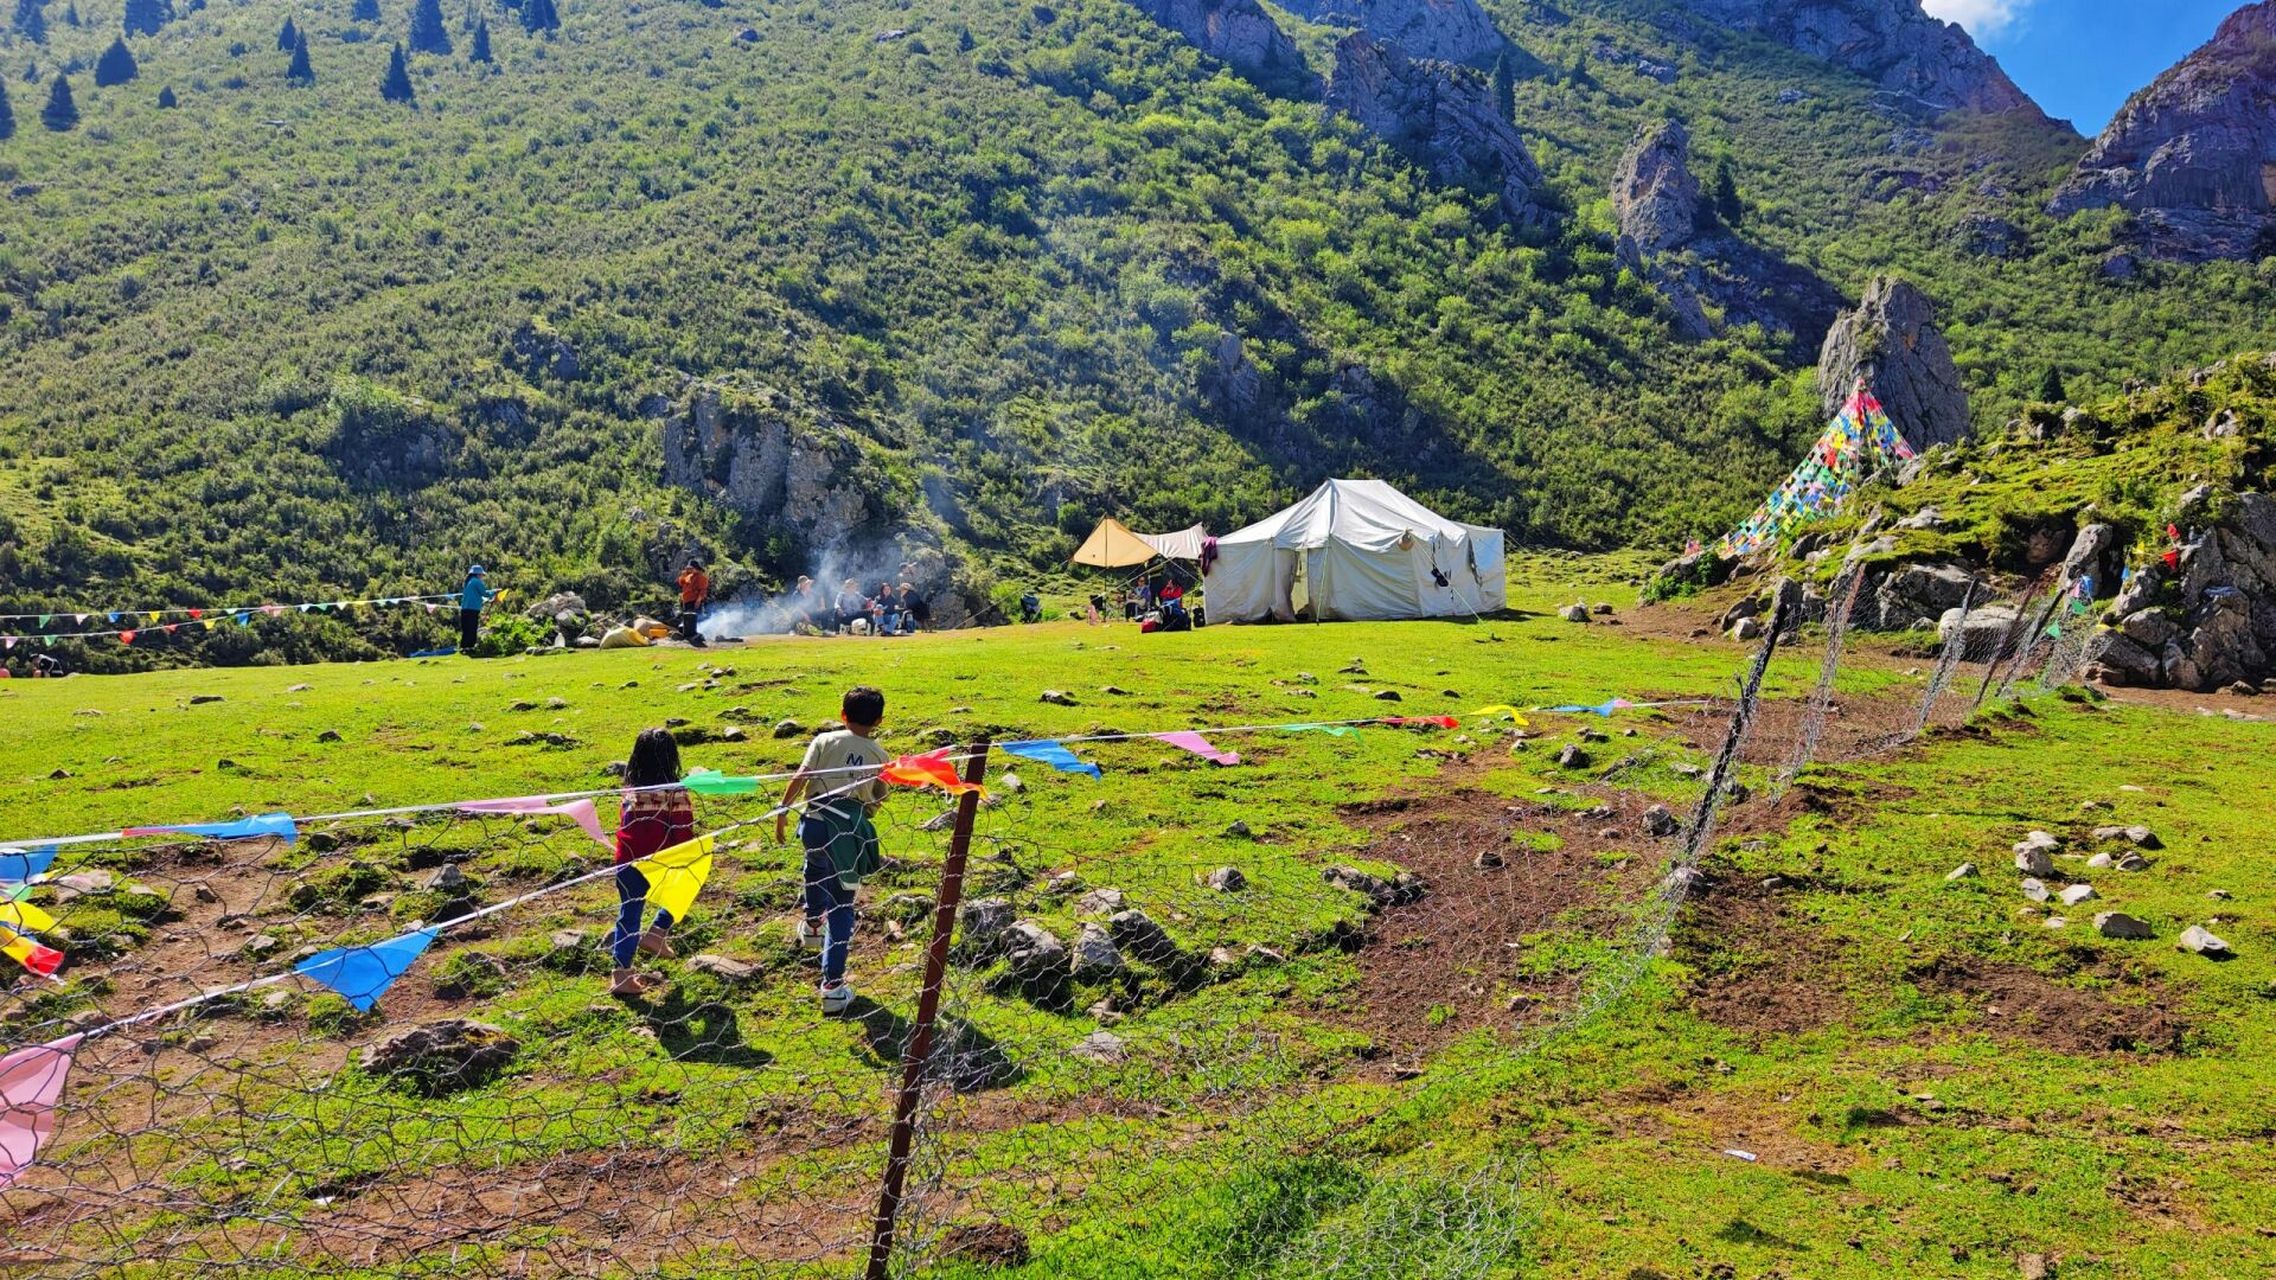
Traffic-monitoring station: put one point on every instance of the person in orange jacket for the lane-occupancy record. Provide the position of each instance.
(695, 590)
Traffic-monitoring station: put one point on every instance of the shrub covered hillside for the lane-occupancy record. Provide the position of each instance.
(283, 318)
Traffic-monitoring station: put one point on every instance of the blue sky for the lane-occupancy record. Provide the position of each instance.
(2080, 58)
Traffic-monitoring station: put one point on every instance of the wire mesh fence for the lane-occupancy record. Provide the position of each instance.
(1175, 1056)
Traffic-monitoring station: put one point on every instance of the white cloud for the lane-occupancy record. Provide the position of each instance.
(1984, 19)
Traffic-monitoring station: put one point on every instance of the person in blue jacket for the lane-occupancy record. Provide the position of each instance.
(471, 597)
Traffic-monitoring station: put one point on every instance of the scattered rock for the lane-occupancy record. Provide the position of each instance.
(442, 1056)
(1967, 871)
(81, 883)
(299, 688)
(568, 940)
(1403, 888)
(2117, 924)
(723, 968)
(2032, 860)
(257, 946)
(1388, 695)
(1099, 902)
(2099, 862)
(201, 699)
(1572, 757)
(1227, 880)
(1114, 690)
(2076, 894)
(1056, 697)
(447, 879)
(985, 1244)
(1746, 629)
(1094, 954)
(1658, 821)
(1239, 830)
(1488, 859)
(788, 728)
(1573, 613)
(2197, 940)
(2036, 890)
(1035, 956)
(1102, 1047)
(329, 735)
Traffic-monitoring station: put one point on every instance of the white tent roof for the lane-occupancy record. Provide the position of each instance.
(1367, 514)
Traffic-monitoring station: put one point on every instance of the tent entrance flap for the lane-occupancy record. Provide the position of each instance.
(1114, 545)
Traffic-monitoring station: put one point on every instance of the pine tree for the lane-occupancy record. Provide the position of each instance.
(116, 66)
(166, 98)
(144, 17)
(31, 20)
(2051, 387)
(396, 87)
(286, 35)
(540, 15)
(7, 115)
(481, 50)
(1725, 198)
(1579, 75)
(299, 72)
(61, 112)
(365, 11)
(1505, 87)
(427, 32)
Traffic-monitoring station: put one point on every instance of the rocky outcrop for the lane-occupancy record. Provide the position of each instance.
(1668, 236)
(2193, 156)
(1892, 343)
(1243, 35)
(2207, 621)
(1447, 30)
(1892, 43)
(793, 473)
(1442, 117)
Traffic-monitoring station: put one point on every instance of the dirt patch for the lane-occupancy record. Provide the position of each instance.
(1449, 963)
(1756, 971)
(2020, 1003)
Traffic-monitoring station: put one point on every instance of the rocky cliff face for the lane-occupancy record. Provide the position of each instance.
(1668, 236)
(1241, 34)
(1890, 42)
(1447, 30)
(1892, 342)
(2208, 621)
(1442, 117)
(790, 472)
(2194, 154)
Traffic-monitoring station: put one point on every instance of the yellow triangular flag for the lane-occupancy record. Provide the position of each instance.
(152, 615)
(25, 917)
(1501, 709)
(674, 875)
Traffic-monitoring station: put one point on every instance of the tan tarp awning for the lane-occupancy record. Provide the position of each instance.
(1113, 546)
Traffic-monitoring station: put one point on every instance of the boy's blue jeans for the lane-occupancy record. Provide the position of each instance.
(829, 901)
(631, 900)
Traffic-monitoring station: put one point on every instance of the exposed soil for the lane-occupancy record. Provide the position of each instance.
(1446, 964)
(1783, 980)
(2020, 1003)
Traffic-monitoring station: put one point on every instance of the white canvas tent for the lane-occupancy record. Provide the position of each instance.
(1356, 550)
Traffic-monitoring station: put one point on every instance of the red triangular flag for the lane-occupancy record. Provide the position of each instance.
(126, 637)
(932, 769)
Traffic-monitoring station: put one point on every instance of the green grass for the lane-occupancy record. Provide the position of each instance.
(1251, 1130)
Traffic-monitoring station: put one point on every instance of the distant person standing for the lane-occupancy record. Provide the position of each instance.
(695, 590)
(471, 599)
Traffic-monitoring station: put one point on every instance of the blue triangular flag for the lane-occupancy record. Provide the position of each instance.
(22, 864)
(273, 825)
(1045, 751)
(362, 974)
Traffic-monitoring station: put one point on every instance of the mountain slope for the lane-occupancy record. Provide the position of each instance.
(1000, 268)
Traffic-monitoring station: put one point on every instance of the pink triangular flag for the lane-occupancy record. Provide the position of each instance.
(31, 1080)
(579, 811)
(1199, 746)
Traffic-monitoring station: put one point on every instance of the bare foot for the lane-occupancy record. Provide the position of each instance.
(656, 942)
(628, 982)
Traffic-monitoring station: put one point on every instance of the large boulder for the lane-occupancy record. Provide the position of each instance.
(1448, 30)
(1654, 195)
(2190, 155)
(1441, 116)
(1981, 635)
(1916, 591)
(1241, 34)
(1892, 344)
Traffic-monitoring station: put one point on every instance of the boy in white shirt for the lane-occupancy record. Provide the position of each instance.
(835, 831)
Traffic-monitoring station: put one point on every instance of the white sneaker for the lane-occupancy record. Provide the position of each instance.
(837, 999)
(809, 938)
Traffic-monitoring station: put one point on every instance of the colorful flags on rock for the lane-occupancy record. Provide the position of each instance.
(31, 1083)
(1857, 443)
(1046, 751)
(362, 974)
